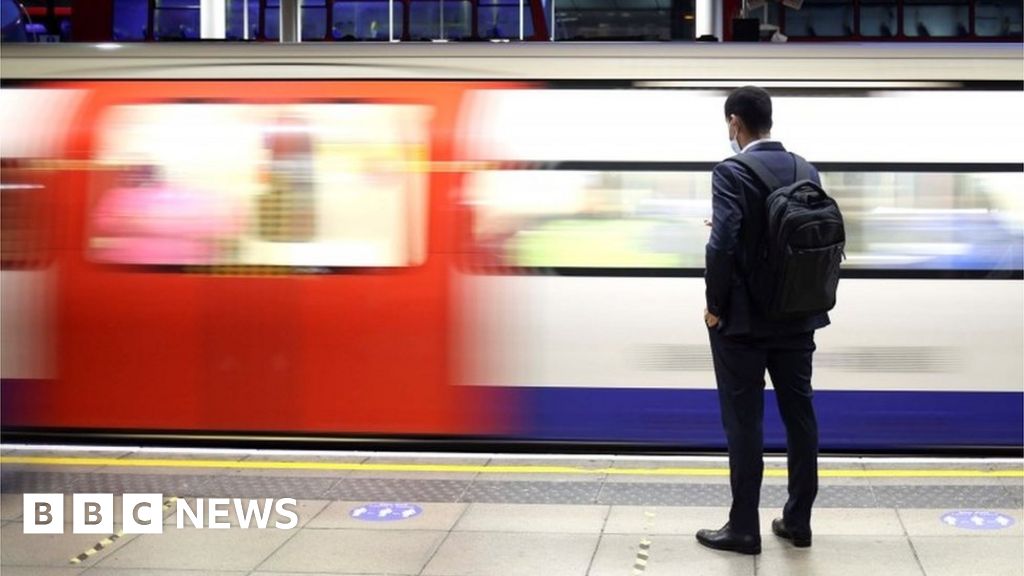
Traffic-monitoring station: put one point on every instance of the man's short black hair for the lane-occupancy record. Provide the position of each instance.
(753, 105)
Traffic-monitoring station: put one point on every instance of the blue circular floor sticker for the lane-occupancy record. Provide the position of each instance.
(385, 511)
(977, 519)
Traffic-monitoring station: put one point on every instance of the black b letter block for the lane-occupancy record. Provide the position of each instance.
(43, 515)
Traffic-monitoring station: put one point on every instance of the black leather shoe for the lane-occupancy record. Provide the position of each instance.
(726, 539)
(799, 539)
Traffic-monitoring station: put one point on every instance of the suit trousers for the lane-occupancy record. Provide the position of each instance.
(740, 365)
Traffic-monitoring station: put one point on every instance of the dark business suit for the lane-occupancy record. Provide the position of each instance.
(745, 343)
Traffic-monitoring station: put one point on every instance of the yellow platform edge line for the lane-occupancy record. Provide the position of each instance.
(440, 468)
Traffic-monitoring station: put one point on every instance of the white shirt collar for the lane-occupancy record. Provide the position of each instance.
(756, 142)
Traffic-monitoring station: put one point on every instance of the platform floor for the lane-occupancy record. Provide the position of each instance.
(365, 514)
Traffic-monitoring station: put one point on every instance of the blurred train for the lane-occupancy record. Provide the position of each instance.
(490, 243)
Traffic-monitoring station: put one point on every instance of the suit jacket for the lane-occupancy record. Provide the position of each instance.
(737, 202)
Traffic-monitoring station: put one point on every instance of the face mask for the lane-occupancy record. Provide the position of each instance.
(735, 144)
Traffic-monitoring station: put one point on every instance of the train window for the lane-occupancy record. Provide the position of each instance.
(24, 217)
(458, 20)
(365, 20)
(271, 19)
(935, 18)
(612, 20)
(12, 22)
(931, 221)
(319, 185)
(632, 190)
(533, 218)
(236, 17)
(573, 219)
(314, 19)
(131, 19)
(878, 19)
(432, 19)
(36, 125)
(176, 20)
(500, 19)
(998, 18)
(424, 20)
(824, 18)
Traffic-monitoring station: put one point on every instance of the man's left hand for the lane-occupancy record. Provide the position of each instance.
(710, 320)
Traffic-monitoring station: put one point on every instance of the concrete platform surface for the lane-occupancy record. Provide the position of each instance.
(376, 514)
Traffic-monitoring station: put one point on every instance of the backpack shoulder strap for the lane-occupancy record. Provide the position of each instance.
(801, 168)
(758, 169)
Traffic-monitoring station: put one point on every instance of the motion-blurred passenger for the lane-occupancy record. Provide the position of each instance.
(745, 339)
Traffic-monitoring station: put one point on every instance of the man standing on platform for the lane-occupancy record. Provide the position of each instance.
(746, 339)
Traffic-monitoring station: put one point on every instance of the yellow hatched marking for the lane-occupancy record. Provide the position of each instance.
(643, 552)
(102, 544)
(504, 469)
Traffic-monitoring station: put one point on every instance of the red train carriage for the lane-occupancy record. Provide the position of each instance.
(258, 324)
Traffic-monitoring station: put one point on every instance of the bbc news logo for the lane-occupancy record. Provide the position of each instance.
(143, 513)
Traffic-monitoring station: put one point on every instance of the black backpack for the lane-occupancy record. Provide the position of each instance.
(798, 238)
